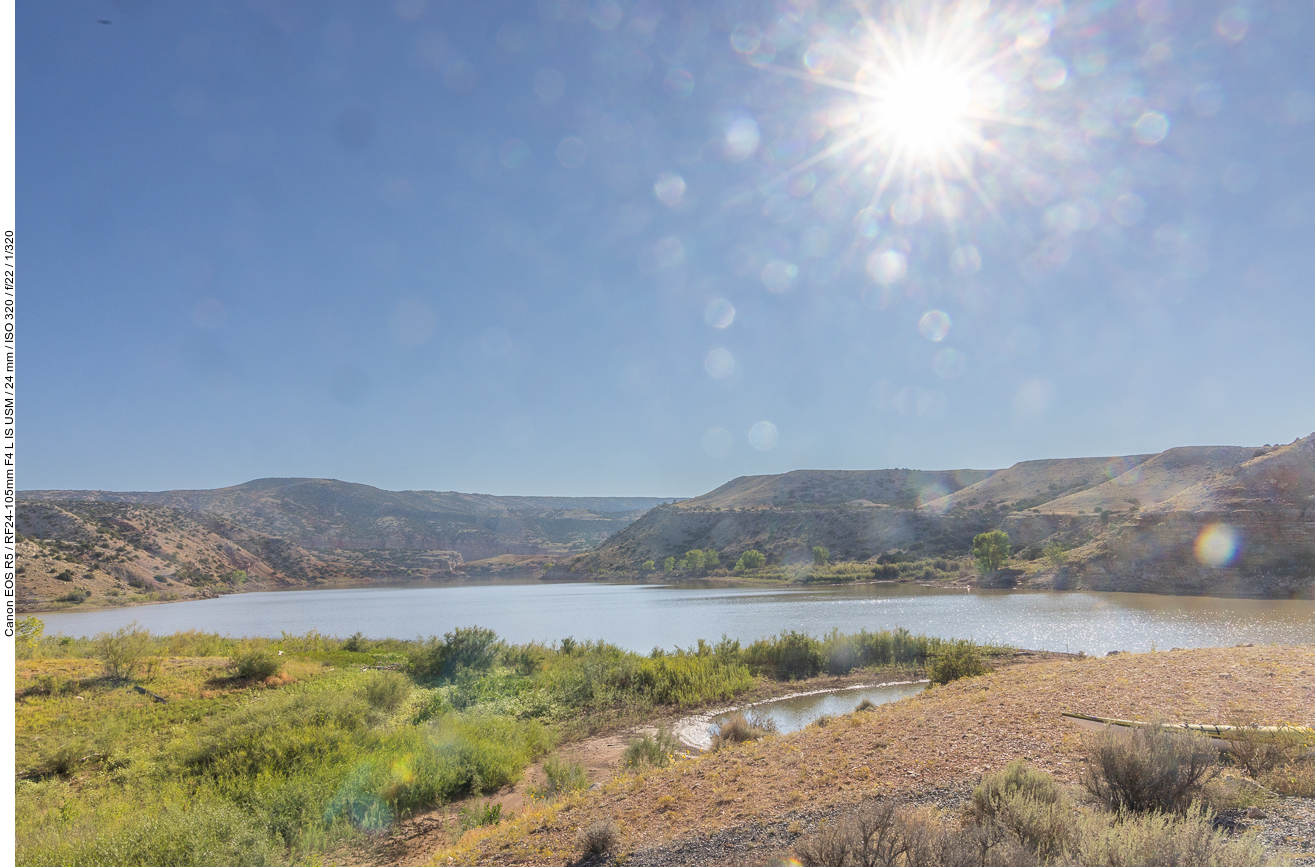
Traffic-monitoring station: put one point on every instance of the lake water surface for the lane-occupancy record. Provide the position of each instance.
(643, 616)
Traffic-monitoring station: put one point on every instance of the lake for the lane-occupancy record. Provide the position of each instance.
(642, 616)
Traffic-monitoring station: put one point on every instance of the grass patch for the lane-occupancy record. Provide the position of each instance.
(739, 728)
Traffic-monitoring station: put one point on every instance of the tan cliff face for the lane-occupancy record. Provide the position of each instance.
(1248, 530)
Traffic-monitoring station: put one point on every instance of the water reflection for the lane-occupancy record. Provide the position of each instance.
(640, 617)
(793, 713)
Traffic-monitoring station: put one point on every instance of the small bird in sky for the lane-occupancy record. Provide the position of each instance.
(103, 21)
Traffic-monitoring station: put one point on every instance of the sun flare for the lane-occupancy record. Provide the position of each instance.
(922, 93)
(923, 108)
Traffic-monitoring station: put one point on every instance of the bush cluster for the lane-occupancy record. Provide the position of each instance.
(1020, 818)
(1148, 768)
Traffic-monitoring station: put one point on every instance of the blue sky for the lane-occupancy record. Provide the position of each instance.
(597, 248)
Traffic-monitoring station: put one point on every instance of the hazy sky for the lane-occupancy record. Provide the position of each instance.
(634, 248)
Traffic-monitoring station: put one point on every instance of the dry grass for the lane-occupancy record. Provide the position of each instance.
(948, 736)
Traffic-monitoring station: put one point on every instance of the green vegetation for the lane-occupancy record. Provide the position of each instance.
(479, 816)
(653, 750)
(751, 559)
(1055, 554)
(991, 550)
(821, 556)
(255, 662)
(274, 751)
(560, 778)
(953, 660)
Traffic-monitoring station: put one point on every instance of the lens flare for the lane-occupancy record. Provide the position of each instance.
(1217, 545)
(934, 325)
(719, 313)
(763, 436)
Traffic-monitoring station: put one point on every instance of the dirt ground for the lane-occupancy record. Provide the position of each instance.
(939, 741)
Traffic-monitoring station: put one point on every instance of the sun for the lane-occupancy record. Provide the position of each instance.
(923, 108)
(927, 85)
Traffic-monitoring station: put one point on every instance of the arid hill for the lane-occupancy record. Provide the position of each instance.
(94, 554)
(1031, 483)
(1218, 520)
(804, 488)
(328, 514)
(92, 548)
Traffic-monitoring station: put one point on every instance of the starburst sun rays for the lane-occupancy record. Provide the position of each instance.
(922, 86)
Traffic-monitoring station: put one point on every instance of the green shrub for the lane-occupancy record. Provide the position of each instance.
(655, 750)
(121, 652)
(472, 648)
(386, 690)
(254, 662)
(278, 734)
(27, 635)
(951, 662)
(1147, 769)
(1024, 804)
(820, 555)
(480, 815)
(561, 778)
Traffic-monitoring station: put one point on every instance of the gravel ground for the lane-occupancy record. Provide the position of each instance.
(1286, 828)
(941, 741)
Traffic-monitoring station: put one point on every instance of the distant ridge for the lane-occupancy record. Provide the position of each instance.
(1129, 522)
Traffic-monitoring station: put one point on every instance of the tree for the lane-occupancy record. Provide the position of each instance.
(669, 564)
(1055, 553)
(648, 566)
(693, 561)
(820, 555)
(751, 559)
(991, 550)
(711, 559)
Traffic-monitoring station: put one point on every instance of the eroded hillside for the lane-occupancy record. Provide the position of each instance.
(92, 554)
(1219, 520)
(327, 514)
